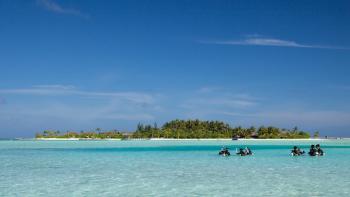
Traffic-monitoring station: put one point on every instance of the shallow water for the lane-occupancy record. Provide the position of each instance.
(171, 168)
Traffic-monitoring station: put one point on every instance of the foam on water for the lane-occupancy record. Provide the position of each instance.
(171, 168)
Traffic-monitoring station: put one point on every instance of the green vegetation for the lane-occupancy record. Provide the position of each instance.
(185, 129)
(88, 134)
(273, 132)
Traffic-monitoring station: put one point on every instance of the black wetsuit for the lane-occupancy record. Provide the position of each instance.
(225, 152)
(249, 152)
(295, 152)
(313, 152)
(242, 152)
(320, 152)
(300, 151)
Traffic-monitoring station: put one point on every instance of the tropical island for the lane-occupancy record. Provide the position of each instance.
(184, 129)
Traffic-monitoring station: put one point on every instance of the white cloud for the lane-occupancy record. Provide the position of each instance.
(53, 6)
(82, 113)
(54, 90)
(291, 117)
(265, 41)
(320, 117)
(227, 102)
(56, 86)
(64, 107)
(210, 99)
(244, 109)
(24, 119)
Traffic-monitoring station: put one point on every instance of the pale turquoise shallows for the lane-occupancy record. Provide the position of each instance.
(171, 168)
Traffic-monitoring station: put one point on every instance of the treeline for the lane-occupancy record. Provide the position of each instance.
(182, 129)
(97, 134)
(186, 129)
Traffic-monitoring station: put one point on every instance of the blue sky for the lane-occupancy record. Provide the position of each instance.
(79, 65)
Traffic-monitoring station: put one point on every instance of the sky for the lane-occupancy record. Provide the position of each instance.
(80, 65)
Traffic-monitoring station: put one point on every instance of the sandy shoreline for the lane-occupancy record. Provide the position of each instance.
(229, 139)
(171, 139)
(74, 139)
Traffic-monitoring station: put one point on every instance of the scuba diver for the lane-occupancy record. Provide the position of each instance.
(297, 151)
(301, 151)
(244, 152)
(241, 152)
(319, 150)
(316, 150)
(248, 151)
(313, 151)
(224, 152)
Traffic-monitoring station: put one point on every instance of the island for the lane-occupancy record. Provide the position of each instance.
(183, 129)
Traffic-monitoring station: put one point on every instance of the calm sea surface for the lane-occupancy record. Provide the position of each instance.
(171, 168)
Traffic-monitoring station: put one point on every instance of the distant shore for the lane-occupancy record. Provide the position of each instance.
(174, 139)
(240, 139)
(76, 139)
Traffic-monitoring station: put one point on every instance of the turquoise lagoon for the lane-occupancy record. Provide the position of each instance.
(171, 168)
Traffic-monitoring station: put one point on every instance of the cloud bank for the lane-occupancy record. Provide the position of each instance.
(53, 6)
(56, 90)
(272, 42)
(68, 107)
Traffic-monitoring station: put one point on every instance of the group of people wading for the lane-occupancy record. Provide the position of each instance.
(315, 150)
(242, 152)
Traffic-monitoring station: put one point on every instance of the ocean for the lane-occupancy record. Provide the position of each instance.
(172, 168)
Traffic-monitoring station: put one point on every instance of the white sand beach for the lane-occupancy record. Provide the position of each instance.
(175, 139)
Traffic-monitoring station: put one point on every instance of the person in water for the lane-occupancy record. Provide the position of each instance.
(241, 152)
(319, 150)
(248, 151)
(301, 151)
(297, 151)
(316, 150)
(244, 152)
(224, 152)
(313, 151)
